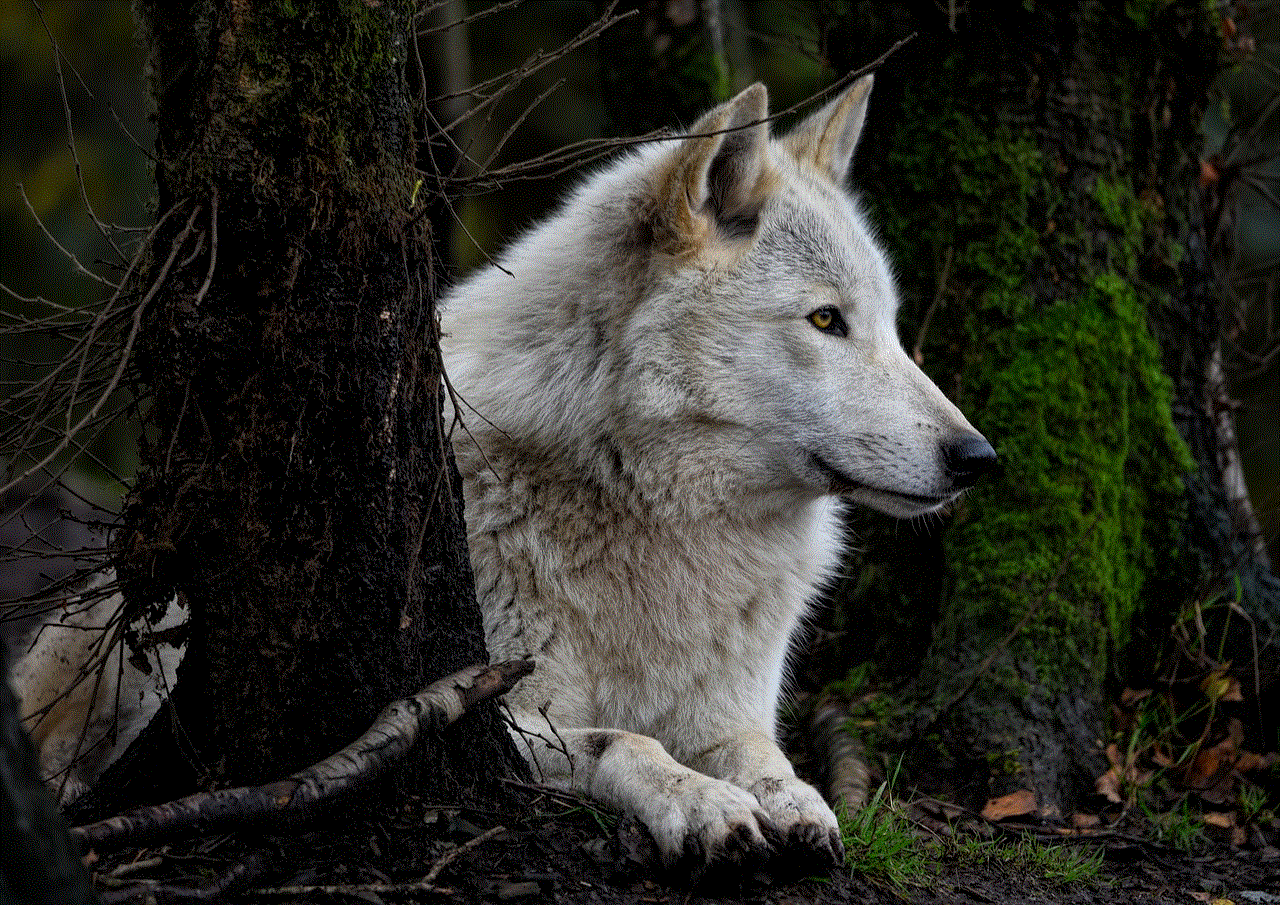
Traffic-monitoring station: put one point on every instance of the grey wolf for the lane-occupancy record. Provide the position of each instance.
(83, 699)
(670, 388)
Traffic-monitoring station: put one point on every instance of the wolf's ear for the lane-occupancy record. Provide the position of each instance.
(718, 172)
(827, 138)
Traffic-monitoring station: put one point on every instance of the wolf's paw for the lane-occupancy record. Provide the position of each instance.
(707, 821)
(805, 824)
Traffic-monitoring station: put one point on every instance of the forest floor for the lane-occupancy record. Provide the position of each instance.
(544, 846)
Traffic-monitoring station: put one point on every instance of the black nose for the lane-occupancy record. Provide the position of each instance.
(967, 458)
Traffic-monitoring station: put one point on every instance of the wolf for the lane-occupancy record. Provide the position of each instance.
(670, 388)
(82, 697)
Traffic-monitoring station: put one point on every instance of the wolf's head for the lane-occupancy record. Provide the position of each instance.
(713, 317)
(777, 314)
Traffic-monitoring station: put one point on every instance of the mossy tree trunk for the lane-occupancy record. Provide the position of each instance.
(1031, 168)
(297, 490)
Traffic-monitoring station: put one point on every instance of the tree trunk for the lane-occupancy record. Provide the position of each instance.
(1030, 166)
(297, 490)
(39, 864)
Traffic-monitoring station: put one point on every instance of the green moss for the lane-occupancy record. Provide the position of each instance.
(1080, 414)
(296, 98)
(1043, 341)
(1004, 763)
(876, 715)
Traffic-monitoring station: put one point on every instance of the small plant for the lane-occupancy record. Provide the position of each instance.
(1178, 827)
(1063, 864)
(880, 842)
(1253, 804)
(1057, 864)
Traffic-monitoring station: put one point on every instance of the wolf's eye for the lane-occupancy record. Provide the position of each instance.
(829, 320)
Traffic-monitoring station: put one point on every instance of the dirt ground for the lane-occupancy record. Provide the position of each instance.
(547, 847)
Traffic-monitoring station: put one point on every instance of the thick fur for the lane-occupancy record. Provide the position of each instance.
(668, 389)
(657, 441)
(83, 698)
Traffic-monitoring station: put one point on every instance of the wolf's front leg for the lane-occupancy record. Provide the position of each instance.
(694, 819)
(752, 760)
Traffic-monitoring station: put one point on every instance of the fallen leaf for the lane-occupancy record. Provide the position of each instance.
(1247, 760)
(1016, 804)
(1215, 685)
(1108, 786)
(1218, 819)
(1085, 821)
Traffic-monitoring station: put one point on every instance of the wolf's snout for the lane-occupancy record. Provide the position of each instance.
(967, 458)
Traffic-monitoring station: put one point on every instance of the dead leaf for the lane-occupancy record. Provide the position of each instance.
(1218, 819)
(1247, 761)
(1108, 786)
(1016, 804)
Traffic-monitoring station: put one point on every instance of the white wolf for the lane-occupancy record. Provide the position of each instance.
(675, 381)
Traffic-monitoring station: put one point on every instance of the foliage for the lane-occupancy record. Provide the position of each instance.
(1178, 826)
(1058, 864)
(882, 843)
(1180, 747)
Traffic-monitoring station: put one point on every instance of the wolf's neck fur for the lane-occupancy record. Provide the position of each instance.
(616, 508)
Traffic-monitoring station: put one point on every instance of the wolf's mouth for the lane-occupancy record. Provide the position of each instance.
(841, 483)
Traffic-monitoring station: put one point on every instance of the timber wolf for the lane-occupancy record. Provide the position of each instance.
(670, 387)
(677, 381)
(83, 697)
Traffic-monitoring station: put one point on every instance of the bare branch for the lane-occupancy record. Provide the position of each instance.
(138, 310)
(391, 737)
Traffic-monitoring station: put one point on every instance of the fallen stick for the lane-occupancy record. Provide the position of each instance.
(387, 741)
(238, 878)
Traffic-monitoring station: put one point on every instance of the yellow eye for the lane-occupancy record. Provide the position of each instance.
(828, 320)
(823, 318)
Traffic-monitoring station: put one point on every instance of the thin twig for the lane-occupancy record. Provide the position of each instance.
(452, 854)
(124, 355)
(917, 354)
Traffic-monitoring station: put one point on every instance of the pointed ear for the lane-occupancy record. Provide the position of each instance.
(717, 174)
(827, 138)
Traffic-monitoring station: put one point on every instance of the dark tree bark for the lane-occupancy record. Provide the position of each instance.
(1031, 166)
(39, 864)
(297, 490)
